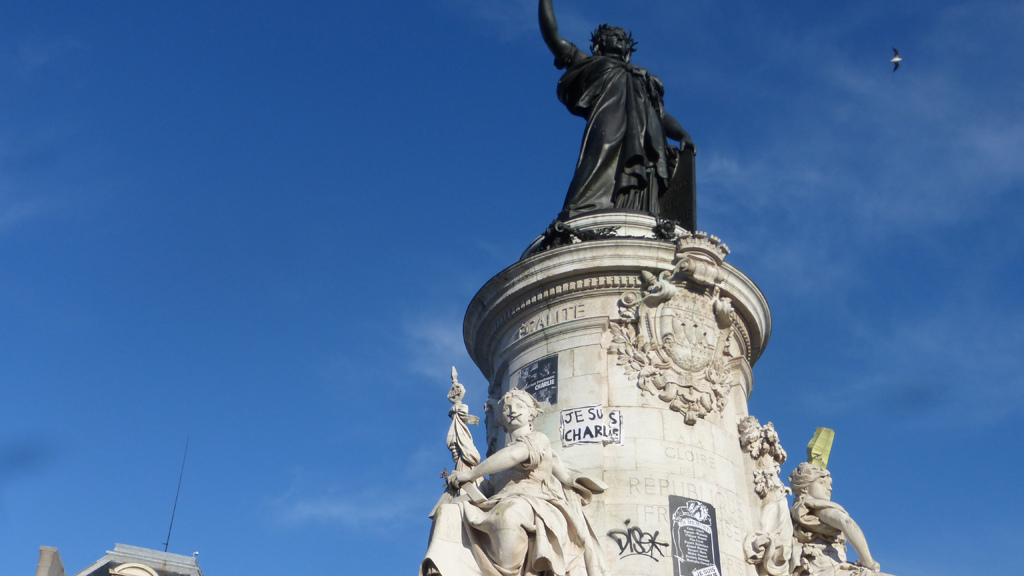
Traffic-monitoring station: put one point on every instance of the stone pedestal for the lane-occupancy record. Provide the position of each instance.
(642, 347)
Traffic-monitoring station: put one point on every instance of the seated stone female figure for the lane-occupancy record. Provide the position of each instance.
(822, 526)
(532, 522)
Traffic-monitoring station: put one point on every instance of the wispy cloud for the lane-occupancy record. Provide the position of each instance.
(15, 213)
(29, 55)
(435, 344)
(32, 163)
(351, 510)
(860, 161)
(515, 19)
(866, 158)
(957, 364)
(512, 18)
(401, 496)
(964, 163)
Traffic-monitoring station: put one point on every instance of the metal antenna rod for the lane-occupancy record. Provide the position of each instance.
(175, 509)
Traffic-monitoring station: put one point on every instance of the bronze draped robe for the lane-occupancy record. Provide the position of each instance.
(624, 158)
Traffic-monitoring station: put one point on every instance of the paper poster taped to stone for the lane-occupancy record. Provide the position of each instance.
(694, 537)
(590, 424)
(540, 379)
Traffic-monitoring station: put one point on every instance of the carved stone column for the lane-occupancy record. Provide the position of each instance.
(639, 342)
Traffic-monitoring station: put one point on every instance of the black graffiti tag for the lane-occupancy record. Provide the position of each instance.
(633, 541)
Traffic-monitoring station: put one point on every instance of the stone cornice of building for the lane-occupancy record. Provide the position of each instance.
(609, 265)
(163, 562)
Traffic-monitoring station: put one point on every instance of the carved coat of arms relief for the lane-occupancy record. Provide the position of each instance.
(672, 339)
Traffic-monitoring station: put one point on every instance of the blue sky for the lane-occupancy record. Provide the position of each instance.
(258, 225)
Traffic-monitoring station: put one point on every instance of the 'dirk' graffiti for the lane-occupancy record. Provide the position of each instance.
(633, 541)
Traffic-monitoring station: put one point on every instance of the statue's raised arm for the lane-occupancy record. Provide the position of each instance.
(559, 46)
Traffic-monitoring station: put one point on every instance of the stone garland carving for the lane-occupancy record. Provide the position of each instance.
(762, 444)
(561, 234)
(770, 549)
(665, 229)
(673, 339)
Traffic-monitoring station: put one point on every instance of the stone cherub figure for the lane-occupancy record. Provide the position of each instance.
(531, 521)
(625, 160)
(821, 526)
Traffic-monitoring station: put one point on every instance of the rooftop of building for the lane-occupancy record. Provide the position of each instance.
(124, 560)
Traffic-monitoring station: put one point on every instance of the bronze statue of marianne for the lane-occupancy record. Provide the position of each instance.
(625, 162)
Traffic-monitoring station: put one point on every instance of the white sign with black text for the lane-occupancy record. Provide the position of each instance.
(591, 425)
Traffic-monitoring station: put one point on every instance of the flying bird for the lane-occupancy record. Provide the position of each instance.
(896, 58)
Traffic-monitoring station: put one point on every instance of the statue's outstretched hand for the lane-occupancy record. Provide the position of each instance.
(457, 479)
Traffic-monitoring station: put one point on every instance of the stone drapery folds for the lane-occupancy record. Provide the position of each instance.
(625, 160)
(532, 519)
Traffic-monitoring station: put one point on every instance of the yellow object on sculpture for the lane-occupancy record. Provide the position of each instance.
(820, 446)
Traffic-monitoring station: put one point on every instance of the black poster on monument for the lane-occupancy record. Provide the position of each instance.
(540, 379)
(694, 538)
